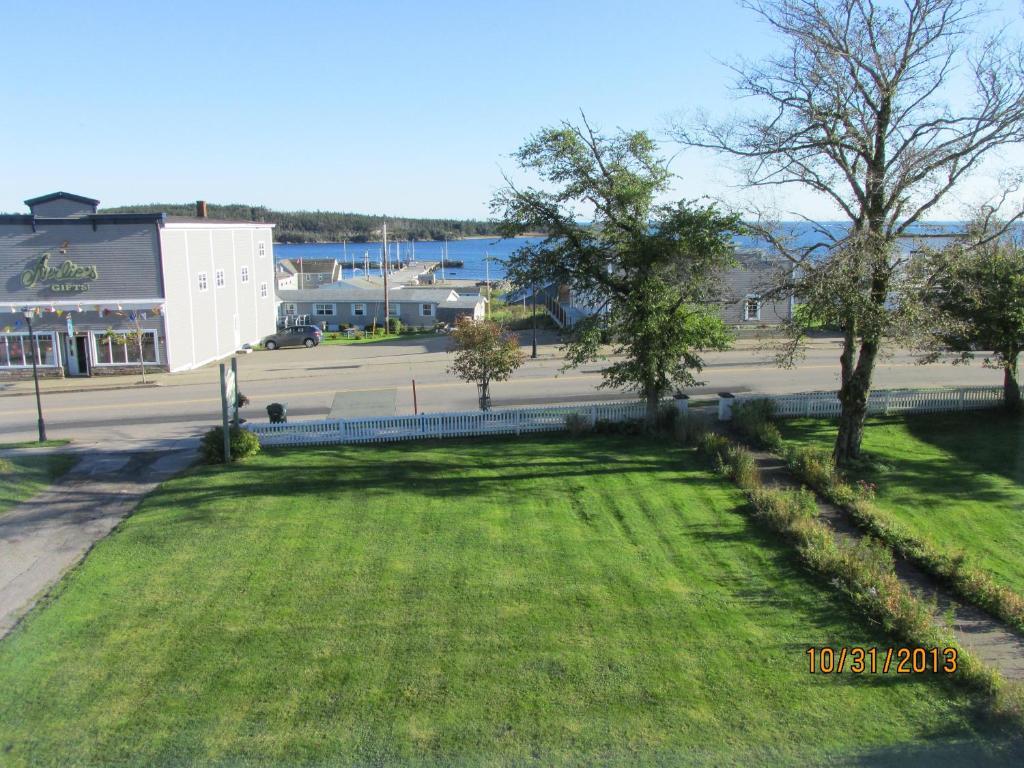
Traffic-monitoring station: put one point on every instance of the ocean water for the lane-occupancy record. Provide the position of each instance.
(473, 252)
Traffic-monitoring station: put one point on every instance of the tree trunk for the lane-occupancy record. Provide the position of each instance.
(853, 400)
(1011, 386)
(651, 393)
(142, 361)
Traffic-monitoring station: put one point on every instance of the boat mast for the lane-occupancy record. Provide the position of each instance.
(387, 313)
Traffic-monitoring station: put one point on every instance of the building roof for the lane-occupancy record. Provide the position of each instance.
(361, 295)
(61, 196)
(208, 221)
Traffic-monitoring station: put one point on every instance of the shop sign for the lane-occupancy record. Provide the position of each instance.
(67, 277)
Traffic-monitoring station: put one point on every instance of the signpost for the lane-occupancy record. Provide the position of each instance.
(228, 403)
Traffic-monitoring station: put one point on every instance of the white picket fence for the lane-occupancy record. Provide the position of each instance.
(883, 401)
(512, 421)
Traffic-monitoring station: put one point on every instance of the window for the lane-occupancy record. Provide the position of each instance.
(16, 350)
(289, 309)
(394, 310)
(218, 277)
(261, 248)
(327, 310)
(426, 310)
(263, 290)
(752, 308)
(358, 310)
(118, 349)
(202, 281)
(245, 274)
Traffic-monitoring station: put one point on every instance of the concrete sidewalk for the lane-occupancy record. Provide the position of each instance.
(43, 537)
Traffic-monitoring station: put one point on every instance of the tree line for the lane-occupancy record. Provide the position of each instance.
(326, 226)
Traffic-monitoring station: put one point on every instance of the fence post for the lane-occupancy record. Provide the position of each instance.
(725, 402)
(963, 399)
(885, 402)
(593, 416)
(518, 424)
(342, 431)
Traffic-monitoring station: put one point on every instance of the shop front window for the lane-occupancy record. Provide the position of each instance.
(118, 349)
(16, 351)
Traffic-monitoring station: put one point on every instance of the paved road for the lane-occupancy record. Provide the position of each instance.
(309, 380)
(44, 536)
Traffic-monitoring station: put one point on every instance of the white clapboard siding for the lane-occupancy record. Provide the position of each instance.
(379, 429)
(883, 401)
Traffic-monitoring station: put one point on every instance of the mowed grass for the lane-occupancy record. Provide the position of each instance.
(956, 478)
(26, 474)
(533, 601)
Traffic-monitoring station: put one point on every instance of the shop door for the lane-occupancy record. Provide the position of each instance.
(78, 359)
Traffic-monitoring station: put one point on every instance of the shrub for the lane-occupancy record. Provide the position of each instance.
(753, 420)
(691, 428)
(6, 467)
(625, 427)
(577, 424)
(815, 466)
(741, 467)
(243, 443)
(394, 325)
(714, 446)
(668, 416)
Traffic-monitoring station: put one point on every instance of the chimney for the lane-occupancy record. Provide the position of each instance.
(201, 209)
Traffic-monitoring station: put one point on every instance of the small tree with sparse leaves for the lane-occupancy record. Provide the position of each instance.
(483, 353)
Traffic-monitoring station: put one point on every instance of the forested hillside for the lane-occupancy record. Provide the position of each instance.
(325, 226)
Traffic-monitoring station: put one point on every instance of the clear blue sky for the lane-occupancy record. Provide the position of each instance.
(375, 107)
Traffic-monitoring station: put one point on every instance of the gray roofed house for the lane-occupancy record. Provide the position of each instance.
(312, 273)
(415, 307)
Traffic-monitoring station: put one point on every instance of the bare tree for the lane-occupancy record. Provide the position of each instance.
(859, 112)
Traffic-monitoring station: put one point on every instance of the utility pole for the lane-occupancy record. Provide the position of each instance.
(387, 307)
(487, 279)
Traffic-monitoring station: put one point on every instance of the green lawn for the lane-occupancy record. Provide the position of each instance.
(26, 474)
(517, 317)
(35, 444)
(537, 601)
(955, 478)
(339, 339)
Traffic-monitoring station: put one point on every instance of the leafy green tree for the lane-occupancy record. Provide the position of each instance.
(483, 353)
(650, 269)
(975, 300)
(882, 109)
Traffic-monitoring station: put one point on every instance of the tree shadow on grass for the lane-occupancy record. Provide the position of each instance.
(451, 469)
(989, 441)
(976, 443)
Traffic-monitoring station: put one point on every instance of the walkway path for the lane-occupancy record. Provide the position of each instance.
(990, 640)
(43, 537)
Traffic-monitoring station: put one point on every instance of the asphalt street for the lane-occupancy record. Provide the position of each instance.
(118, 411)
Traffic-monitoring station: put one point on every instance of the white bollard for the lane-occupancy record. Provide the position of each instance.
(725, 403)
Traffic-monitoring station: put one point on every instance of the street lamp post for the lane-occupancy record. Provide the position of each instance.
(35, 373)
(534, 289)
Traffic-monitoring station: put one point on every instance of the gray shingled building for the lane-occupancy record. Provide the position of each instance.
(197, 289)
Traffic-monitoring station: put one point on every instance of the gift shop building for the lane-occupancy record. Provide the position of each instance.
(192, 290)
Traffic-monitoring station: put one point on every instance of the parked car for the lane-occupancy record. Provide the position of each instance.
(296, 336)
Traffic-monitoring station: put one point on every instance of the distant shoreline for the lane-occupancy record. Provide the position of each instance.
(451, 239)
